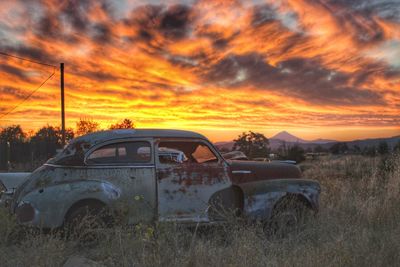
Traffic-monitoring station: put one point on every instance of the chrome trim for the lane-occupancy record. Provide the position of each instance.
(100, 166)
(241, 171)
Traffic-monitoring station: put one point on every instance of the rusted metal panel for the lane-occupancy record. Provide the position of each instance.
(130, 191)
(184, 191)
(137, 185)
(251, 171)
(260, 197)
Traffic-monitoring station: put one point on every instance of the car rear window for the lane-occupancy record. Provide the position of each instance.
(121, 153)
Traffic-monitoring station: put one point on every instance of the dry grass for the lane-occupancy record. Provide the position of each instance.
(358, 225)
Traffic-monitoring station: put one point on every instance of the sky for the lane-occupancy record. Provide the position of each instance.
(318, 69)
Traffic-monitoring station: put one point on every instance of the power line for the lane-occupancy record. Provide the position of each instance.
(32, 61)
(26, 98)
(29, 60)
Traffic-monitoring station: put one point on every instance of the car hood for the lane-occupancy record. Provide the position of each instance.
(250, 171)
(30, 183)
(12, 180)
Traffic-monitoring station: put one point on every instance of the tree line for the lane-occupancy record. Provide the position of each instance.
(32, 148)
(382, 148)
(256, 145)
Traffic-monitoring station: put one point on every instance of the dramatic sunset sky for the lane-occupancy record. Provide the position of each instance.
(327, 69)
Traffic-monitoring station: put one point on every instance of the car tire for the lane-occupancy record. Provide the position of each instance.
(288, 217)
(87, 224)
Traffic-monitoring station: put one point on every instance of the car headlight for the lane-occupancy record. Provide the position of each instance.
(2, 187)
(25, 212)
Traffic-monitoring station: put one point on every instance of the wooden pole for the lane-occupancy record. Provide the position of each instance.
(62, 104)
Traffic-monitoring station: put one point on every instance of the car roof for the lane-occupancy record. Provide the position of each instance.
(108, 135)
(77, 147)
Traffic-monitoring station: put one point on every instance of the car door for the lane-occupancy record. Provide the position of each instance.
(189, 172)
(129, 166)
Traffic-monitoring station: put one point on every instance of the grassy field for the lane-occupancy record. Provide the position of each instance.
(358, 225)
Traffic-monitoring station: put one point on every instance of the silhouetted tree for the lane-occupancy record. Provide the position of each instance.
(396, 147)
(47, 140)
(85, 126)
(252, 144)
(339, 148)
(12, 134)
(125, 124)
(295, 153)
(383, 148)
(319, 149)
(370, 151)
(16, 137)
(356, 149)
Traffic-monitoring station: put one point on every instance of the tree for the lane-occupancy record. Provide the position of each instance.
(15, 150)
(252, 144)
(339, 148)
(12, 134)
(85, 126)
(356, 149)
(320, 149)
(370, 151)
(47, 140)
(125, 124)
(282, 149)
(383, 148)
(396, 147)
(296, 153)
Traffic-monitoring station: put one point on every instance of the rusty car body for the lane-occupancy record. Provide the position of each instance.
(152, 175)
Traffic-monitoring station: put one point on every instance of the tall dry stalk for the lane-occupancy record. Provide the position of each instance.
(358, 225)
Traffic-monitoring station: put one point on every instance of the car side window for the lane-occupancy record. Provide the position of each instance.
(176, 152)
(121, 153)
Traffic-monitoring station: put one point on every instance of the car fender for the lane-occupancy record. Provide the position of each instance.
(49, 211)
(260, 197)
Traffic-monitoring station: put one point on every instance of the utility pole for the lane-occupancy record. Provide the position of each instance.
(8, 156)
(62, 104)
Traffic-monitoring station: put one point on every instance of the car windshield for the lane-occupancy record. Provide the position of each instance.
(71, 155)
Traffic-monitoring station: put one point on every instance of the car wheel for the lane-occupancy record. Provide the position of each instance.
(86, 224)
(288, 217)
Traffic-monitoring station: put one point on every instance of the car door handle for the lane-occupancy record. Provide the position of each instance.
(241, 171)
(133, 177)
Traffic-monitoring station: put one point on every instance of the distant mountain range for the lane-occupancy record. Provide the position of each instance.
(289, 139)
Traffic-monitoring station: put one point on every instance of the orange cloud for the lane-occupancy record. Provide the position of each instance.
(218, 67)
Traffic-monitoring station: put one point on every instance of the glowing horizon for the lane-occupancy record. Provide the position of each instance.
(317, 69)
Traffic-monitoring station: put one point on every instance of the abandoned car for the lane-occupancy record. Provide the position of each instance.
(144, 175)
